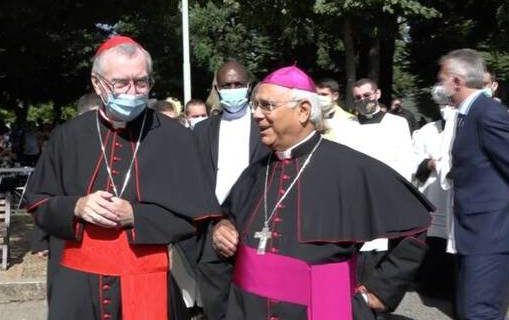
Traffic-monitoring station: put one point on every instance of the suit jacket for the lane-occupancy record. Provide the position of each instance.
(480, 170)
(206, 135)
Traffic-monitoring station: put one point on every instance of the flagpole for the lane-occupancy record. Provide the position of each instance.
(185, 45)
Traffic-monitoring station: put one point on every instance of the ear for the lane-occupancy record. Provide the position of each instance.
(378, 94)
(457, 81)
(494, 86)
(304, 112)
(335, 96)
(97, 85)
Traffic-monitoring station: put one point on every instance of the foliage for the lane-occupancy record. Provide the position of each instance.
(46, 46)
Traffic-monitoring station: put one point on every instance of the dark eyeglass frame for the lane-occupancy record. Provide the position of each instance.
(364, 96)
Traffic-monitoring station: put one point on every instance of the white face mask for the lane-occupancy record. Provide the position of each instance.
(326, 103)
(196, 120)
(441, 95)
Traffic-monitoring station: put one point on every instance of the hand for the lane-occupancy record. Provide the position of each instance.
(97, 208)
(124, 211)
(225, 238)
(432, 164)
(42, 253)
(373, 301)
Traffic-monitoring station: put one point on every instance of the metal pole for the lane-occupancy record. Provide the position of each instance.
(185, 45)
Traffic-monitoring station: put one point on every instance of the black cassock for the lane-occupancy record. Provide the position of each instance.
(167, 190)
(342, 199)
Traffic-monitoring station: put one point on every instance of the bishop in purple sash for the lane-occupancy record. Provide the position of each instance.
(297, 218)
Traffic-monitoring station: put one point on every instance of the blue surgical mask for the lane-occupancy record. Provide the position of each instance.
(488, 92)
(126, 107)
(234, 101)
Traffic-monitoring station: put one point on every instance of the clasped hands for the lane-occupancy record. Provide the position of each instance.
(104, 209)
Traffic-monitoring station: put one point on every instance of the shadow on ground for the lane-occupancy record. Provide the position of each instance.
(22, 227)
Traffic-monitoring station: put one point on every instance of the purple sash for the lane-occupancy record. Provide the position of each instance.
(325, 289)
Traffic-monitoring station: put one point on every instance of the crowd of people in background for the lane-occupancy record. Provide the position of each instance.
(236, 135)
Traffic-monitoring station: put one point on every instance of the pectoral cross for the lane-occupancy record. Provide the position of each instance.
(263, 235)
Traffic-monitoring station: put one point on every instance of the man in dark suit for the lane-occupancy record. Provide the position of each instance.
(227, 142)
(480, 171)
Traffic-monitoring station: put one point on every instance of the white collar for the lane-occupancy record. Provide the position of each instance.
(287, 154)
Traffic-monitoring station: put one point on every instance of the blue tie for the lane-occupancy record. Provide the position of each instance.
(460, 121)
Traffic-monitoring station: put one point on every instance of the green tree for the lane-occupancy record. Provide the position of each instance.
(369, 33)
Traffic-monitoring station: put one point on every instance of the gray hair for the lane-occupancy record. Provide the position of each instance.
(468, 64)
(126, 49)
(315, 116)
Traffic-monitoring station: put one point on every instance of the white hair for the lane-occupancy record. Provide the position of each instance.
(126, 49)
(468, 64)
(315, 116)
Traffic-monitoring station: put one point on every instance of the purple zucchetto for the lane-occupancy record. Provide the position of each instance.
(291, 77)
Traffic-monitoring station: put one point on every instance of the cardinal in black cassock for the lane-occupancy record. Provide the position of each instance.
(302, 214)
(118, 185)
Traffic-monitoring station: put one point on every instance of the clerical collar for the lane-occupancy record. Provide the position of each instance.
(372, 118)
(301, 148)
(115, 124)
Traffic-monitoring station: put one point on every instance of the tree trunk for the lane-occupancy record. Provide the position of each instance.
(350, 70)
(388, 32)
(374, 60)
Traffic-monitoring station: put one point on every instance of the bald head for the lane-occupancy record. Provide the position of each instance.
(232, 75)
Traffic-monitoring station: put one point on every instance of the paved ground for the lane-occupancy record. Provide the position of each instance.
(22, 287)
(412, 308)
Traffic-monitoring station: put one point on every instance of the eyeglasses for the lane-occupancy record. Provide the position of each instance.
(267, 106)
(366, 95)
(123, 85)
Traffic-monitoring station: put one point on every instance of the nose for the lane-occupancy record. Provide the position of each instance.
(132, 88)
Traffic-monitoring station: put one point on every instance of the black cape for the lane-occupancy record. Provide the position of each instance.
(342, 199)
(167, 189)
